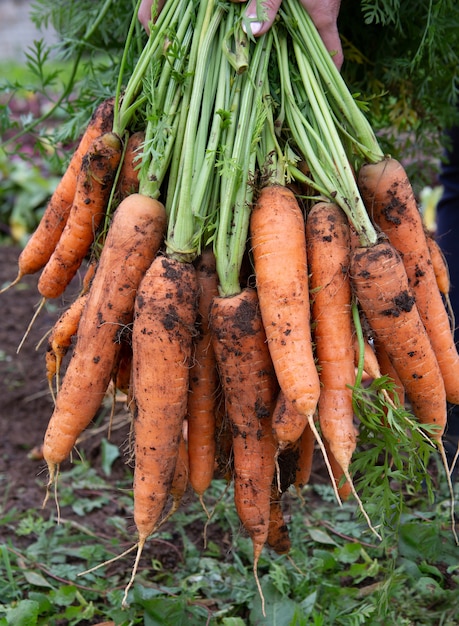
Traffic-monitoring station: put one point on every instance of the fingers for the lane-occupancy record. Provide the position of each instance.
(324, 14)
(144, 12)
(262, 22)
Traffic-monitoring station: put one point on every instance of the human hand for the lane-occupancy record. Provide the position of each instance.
(144, 12)
(324, 14)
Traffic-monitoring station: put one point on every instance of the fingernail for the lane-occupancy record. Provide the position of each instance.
(255, 27)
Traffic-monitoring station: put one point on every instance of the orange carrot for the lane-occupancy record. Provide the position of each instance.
(250, 388)
(41, 244)
(165, 313)
(128, 181)
(390, 200)
(135, 235)
(203, 382)
(439, 264)
(305, 458)
(381, 286)
(328, 249)
(122, 371)
(60, 338)
(387, 369)
(91, 196)
(278, 535)
(279, 254)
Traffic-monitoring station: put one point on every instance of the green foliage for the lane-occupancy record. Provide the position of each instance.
(334, 575)
(403, 58)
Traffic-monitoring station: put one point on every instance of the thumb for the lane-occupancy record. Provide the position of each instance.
(261, 22)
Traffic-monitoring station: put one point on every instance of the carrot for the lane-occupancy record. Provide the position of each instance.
(122, 371)
(279, 255)
(305, 458)
(387, 369)
(328, 249)
(389, 198)
(41, 244)
(164, 317)
(203, 382)
(381, 286)
(439, 264)
(128, 180)
(250, 388)
(60, 338)
(94, 185)
(180, 479)
(134, 236)
(278, 535)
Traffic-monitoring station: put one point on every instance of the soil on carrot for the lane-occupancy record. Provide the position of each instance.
(26, 405)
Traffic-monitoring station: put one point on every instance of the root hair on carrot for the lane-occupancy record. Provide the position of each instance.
(31, 323)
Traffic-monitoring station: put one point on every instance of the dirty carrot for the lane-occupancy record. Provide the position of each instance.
(128, 180)
(278, 535)
(94, 185)
(60, 338)
(381, 286)
(202, 399)
(164, 318)
(41, 244)
(279, 254)
(250, 388)
(328, 250)
(390, 199)
(135, 235)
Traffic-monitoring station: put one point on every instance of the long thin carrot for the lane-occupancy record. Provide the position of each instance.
(41, 244)
(279, 254)
(390, 199)
(250, 388)
(135, 235)
(202, 399)
(328, 249)
(60, 338)
(94, 185)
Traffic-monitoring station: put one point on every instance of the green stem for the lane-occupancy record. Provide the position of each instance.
(183, 232)
(305, 34)
(152, 51)
(318, 140)
(237, 193)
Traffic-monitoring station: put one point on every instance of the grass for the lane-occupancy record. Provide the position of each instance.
(335, 574)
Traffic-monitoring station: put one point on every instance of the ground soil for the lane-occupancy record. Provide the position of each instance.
(26, 403)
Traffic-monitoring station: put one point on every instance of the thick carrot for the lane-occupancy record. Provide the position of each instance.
(202, 400)
(279, 254)
(328, 249)
(135, 235)
(94, 185)
(381, 286)
(41, 244)
(128, 180)
(250, 388)
(165, 314)
(390, 200)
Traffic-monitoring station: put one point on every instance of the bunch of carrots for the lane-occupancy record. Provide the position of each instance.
(252, 254)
